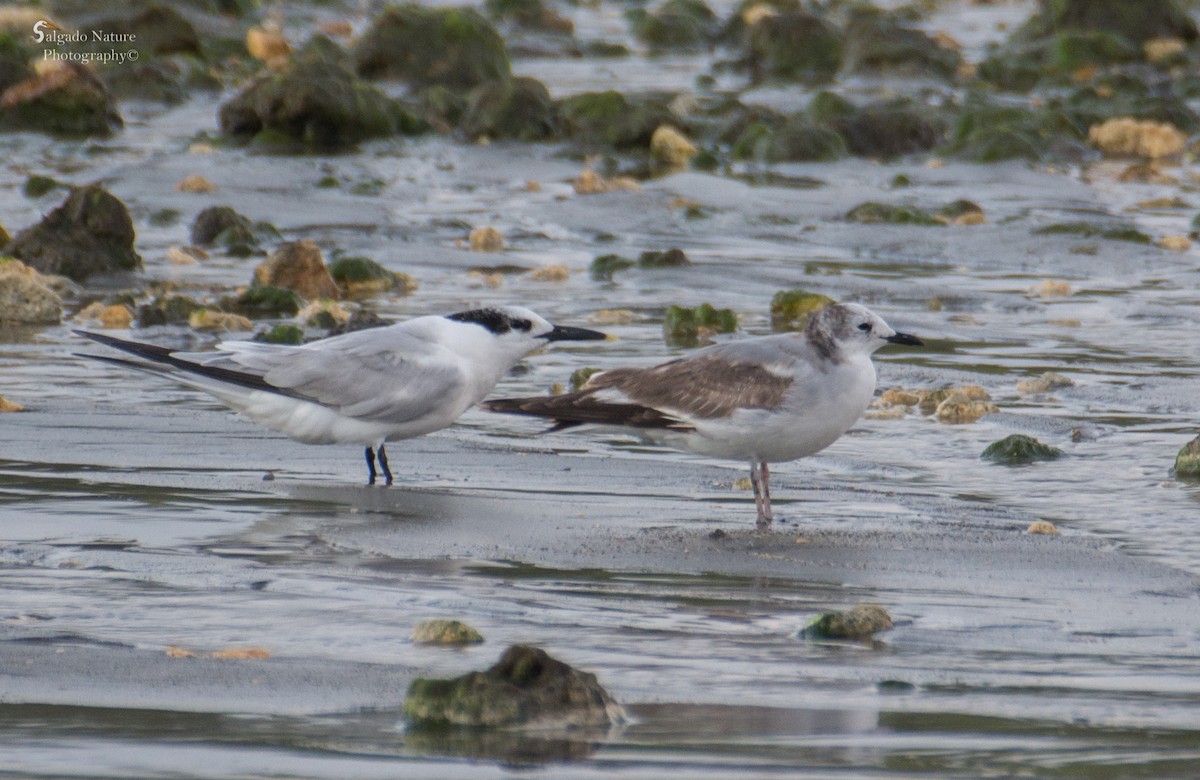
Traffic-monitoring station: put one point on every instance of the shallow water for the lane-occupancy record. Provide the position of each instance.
(135, 515)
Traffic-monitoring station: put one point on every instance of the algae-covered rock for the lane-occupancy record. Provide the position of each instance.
(961, 212)
(688, 327)
(603, 267)
(985, 132)
(216, 320)
(580, 377)
(90, 232)
(284, 333)
(675, 24)
(873, 213)
(1019, 449)
(1187, 462)
(611, 118)
(960, 407)
(223, 227)
(158, 29)
(671, 258)
(315, 103)
(527, 687)
(263, 302)
(1111, 232)
(885, 130)
(67, 99)
(167, 310)
(879, 43)
(362, 277)
(519, 108)
(1042, 528)
(792, 45)
(800, 140)
(297, 266)
(792, 309)
(859, 622)
(445, 632)
(1138, 22)
(454, 47)
(37, 186)
(26, 296)
(15, 59)
(530, 14)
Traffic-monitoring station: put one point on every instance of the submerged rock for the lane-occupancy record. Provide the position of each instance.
(526, 687)
(689, 327)
(670, 258)
(519, 108)
(961, 407)
(792, 309)
(801, 140)
(453, 47)
(1187, 462)
(792, 45)
(580, 377)
(445, 632)
(297, 266)
(888, 129)
(1043, 528)
(223, 227)
(362, 277)
(485, 238)
(1019, 449)
(315, 103)
(67, 100)
(603, 267)
(611, 118)
(167, 310)
(88, 233)
(26, 296)
(859, 622)
(873, 212)
(1047, 382)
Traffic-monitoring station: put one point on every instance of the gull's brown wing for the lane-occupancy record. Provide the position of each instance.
(670, 395)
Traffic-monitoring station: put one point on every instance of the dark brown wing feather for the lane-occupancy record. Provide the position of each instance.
(703, 387)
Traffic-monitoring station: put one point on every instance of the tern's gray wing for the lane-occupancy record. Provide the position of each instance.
(382, 376)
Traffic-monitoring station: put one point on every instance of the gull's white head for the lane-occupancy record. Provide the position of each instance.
(848, 329)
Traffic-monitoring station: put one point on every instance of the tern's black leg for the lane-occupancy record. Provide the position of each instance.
(383, 464)
(371, 466)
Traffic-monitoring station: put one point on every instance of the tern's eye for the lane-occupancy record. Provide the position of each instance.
(866, 326)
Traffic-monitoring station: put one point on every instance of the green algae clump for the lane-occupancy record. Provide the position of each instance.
(792, 309)
(689, 327)
(859, 622)
(1187, 462)
(1019, 449)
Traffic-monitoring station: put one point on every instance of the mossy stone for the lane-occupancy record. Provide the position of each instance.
(222, 226)
(799, 140)
(889, 129)
(1019, 449)
(613, 119)
(1138, 22)
(284, 333)
(519, 108)
(263, 302)
(158, 29)
(1095, 230)
(792, 309)
(454, 47)
(671, 258)
(525, 687)
(826, 106)
(603, 267)
(795, 46)
(168, 310)
(686, 326)
(676, 24)
(879, 43)
(316, 103)
(77, 107)
(361, 277)
(37, 186)
(580, 377)
(859, 622)
(449, 633)
(89, 232)
(15, 57)
(1187, 462)
(874, 213)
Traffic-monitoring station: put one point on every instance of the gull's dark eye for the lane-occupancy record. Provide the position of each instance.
(866, 326)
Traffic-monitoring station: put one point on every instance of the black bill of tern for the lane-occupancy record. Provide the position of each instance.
(366, 387)
(764, 400)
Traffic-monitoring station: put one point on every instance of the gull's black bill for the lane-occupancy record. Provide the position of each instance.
(567, 333)
(904, 338)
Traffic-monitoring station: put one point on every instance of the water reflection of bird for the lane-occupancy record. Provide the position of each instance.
(366, 387)
(768, 399)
